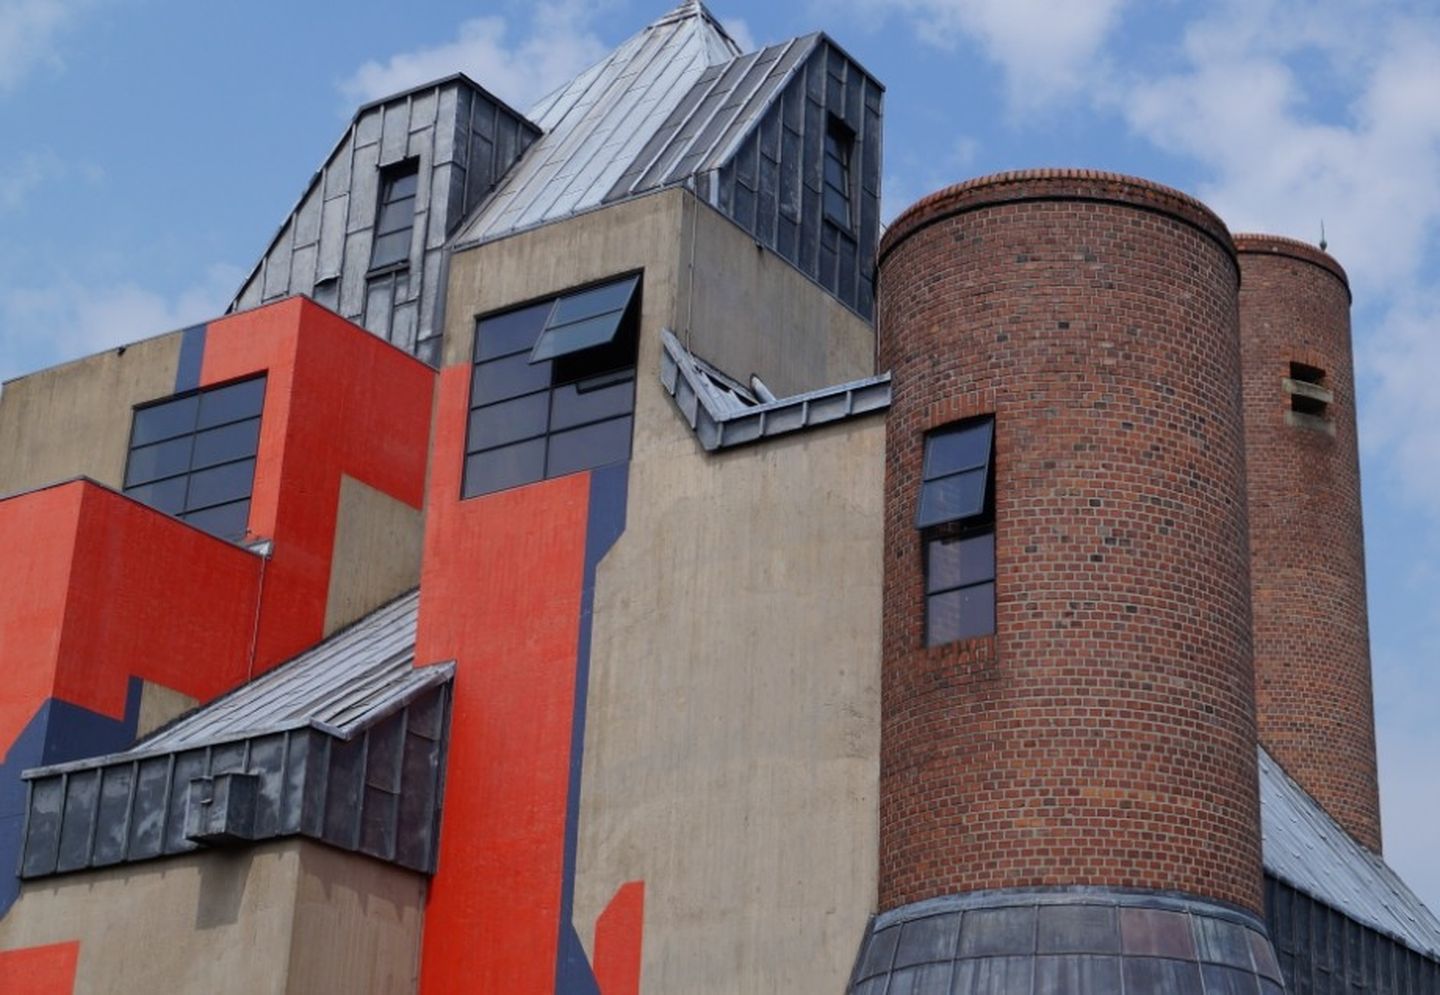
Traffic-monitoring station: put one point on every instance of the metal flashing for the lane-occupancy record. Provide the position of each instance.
(1308, 850)
(724, 414)
(345, 744)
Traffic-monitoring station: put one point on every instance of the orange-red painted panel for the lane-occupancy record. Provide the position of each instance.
(618, 934)
(338, 401)
(107, 589)
(501, 595)
(37, 532)
(48, 970)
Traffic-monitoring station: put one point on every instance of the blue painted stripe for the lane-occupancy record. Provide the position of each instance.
(609, 492)
(192, 354)
(58, 733)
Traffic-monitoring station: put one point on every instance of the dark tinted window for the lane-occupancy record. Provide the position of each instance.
(957, 520)
(839, 142)
(553, 389)
(202, 467)
(395, 214)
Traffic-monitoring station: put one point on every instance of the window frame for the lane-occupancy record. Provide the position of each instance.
(132, 484)
(389, 176)
(844, 136)
(615, 362)
(960, 528)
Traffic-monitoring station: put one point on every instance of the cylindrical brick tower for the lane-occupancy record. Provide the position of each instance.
(1312, 643)
(1070, 781)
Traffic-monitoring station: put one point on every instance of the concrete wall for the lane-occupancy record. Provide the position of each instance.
(752, 312)
(730, 756)
(276, 919)
(376, 555)
(732, 736)
(74, 420)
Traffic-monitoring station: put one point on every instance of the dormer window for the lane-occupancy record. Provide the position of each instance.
(395, 214)
(839, 147)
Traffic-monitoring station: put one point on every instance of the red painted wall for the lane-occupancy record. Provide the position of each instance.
(338, 401)
(500, 594)
(107, 589)
(48, 970)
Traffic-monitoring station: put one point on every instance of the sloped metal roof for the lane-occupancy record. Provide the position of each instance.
(350, 680)
(1309, 851)
(344, 744)
(706, 127)
(595, 125)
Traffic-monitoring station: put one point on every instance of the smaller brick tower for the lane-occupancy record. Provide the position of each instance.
(1068, 763)
(1312, 646)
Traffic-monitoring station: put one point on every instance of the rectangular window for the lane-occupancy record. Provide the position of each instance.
(395, 214)
(956, 517)
(193, 456)
(553, 389)
(839, 145)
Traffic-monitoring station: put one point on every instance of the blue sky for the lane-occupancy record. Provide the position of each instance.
(152, 147)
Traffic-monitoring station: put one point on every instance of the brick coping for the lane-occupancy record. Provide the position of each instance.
(1055, 184)
(1278, 245)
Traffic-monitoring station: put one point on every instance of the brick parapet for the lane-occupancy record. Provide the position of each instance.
(1105, 735)
(1313, 683)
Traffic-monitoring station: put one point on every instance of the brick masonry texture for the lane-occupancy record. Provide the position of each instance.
(1106, 734)
(1312, 658)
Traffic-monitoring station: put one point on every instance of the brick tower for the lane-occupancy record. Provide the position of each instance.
(1068, 765)
(1312, 646)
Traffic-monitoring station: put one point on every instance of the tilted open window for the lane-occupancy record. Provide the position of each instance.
(193, 456)
(553, 389)
(395, 214)
(957, 521)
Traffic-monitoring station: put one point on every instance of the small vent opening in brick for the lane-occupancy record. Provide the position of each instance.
(1308, 393)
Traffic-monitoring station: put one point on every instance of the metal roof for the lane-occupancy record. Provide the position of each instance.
(706, 127)
(353, 678)
(723, 413)
(344, 743)
(1309, 851)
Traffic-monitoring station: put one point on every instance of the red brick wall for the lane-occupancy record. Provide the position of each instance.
(1312, 646)
(1105, 735)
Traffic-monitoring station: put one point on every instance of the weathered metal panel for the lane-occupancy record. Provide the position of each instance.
(352, 276)
(302, 269)
(332, 238)
(337, 169)
(77, 822)
(277, 266)
(307, 218)
(367, 128)
(447, 126)
(422, 110)
(394, 132)
(364, 188)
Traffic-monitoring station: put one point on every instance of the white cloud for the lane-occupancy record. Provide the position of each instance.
(740, 33)
(42, 326)
(1047, 50)
(26, 174)
(557, 47)
(28, 32)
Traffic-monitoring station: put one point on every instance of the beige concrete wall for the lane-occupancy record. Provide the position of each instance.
(357, 926)
(378, 543)
(160, 705)
(277, 918)
(752, 312)
(74, 420)
(732, 734)
(733, 729)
